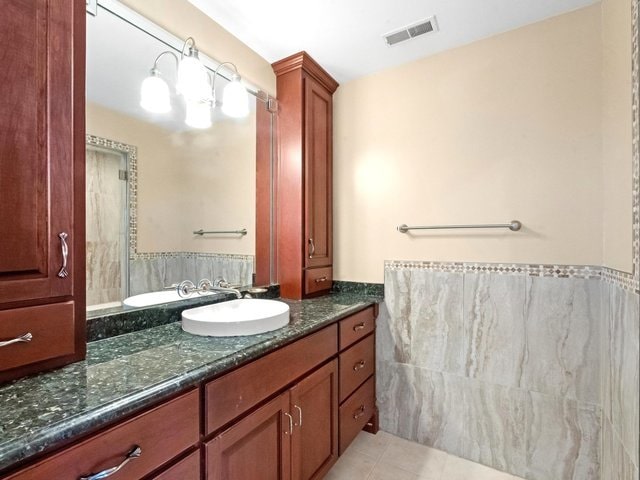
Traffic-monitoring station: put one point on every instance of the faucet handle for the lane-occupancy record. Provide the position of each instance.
(186, 288)
(205, 285)
(221, 282)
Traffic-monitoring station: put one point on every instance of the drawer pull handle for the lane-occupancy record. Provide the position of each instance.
(65, 253)
(359, 326)
(312, 248)
(290, 424)
(321, 279)
(299, 415)
(27, 337)
(359, 365)
(133, 454)
(359, 412)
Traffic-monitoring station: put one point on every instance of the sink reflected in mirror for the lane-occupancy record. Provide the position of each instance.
(236, 318)
(156, 298)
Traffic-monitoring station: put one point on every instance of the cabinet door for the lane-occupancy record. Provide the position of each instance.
(318, 177)
(36, 148)
(314, 406)
(258, 446)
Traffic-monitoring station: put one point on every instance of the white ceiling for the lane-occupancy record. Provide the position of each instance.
(345, 37)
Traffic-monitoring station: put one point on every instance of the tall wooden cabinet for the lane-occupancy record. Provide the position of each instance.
(41, 185)
(304, 178)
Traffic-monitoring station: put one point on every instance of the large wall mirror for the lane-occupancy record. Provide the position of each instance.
(170, 196)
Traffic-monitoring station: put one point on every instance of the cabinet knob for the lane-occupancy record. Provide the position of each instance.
(63, 273)
(299, 415)
(133, 454)
(359, 365)
(290, 418)
(27, 337)
(359, 412)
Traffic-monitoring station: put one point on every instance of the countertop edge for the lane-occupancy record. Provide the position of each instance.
(73, 429)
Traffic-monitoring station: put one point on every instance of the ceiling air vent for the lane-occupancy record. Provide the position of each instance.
(411, 31)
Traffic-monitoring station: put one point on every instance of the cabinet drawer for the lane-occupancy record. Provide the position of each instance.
(355, 327)
(186, 469)
(233, 394)
(161, 433)
(356, 412)
(317, 279)
(356, 365)
(52, 334)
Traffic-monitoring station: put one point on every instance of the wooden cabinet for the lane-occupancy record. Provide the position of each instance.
(286, 415)
(304, 178)
(314, 407)
(42, 176)
(357, 375)
(160, 434)
(257, 446)
(294, 436)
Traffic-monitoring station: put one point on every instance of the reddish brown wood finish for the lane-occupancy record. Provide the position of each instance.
(356, 365)
(304, 170)
(355, 412)
(162, 433)
(186, 469)
(52, 327)
(42, 161)
(233, 394)
(356, 326)
(317, 280)
(318, 176)
(256, 447)
(314, 406)
(263, 195)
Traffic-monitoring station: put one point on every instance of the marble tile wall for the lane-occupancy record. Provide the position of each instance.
(620, 385)
(105, 228)
(152, 272)
(501, 369)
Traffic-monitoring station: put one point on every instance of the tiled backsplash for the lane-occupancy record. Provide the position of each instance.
(153, 271)
(504, 367)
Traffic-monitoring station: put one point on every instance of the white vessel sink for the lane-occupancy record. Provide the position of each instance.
(236, 317)
(155, 298)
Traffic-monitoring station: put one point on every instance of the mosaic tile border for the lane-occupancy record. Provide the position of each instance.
(153, 255)
(623, 280)
(132, 161)
(532, 270)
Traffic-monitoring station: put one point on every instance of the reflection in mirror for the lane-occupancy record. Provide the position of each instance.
(153, 179)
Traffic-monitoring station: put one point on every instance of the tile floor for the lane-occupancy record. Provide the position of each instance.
(385, 457)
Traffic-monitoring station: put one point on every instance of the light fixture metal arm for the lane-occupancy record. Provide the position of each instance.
(167, 52)
(215, 74)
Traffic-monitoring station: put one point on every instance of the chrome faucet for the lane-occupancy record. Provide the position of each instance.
(219, 285)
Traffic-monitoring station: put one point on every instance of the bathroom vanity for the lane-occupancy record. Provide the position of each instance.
(165, 404)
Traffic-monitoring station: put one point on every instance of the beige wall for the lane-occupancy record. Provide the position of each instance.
(505, 128)
(188, 181)
(184, 20)
(617, 136)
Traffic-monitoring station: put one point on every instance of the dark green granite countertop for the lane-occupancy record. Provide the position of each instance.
(125, 373)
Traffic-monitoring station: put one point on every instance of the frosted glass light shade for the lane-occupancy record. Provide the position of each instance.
(198, 114)
(193, 81)
(154, 94)
(235, 99)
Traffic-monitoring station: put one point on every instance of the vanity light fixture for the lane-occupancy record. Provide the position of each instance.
(197, 86)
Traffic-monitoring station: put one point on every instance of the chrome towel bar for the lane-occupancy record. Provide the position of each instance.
(237, 232)
(514, 226)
